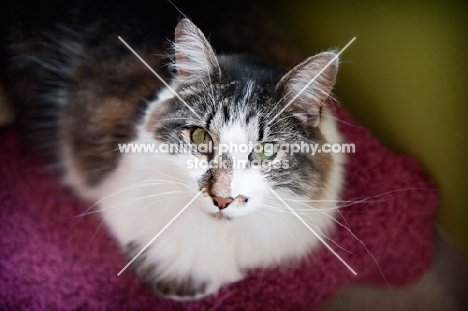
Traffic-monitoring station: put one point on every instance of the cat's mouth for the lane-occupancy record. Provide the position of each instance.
(220, 216)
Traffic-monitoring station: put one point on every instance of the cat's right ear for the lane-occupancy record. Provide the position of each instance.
(195, 60)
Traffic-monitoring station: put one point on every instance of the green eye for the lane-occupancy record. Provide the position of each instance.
(201, 137)
(265, 151)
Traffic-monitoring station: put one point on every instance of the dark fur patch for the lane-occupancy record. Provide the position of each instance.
(107, 99)
(185, 287)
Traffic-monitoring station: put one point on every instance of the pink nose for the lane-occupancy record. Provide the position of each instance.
(222, 203)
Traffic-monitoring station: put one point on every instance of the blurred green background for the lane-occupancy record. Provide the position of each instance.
(405, 77)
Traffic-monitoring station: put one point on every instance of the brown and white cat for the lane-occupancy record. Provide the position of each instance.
(105, 97)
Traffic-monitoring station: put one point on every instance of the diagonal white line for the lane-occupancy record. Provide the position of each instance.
(313, 231)
(312, 81)
(159, 77)
(160, 232)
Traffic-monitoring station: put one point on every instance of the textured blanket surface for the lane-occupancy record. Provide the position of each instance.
(51, 259)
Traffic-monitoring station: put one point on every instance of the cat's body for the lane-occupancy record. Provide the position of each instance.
(107, 96)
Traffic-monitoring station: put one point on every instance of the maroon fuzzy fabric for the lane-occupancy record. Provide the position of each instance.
(53, 260)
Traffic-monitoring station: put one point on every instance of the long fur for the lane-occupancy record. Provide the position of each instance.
(236, 97)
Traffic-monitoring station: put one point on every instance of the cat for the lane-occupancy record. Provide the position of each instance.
(105, 97)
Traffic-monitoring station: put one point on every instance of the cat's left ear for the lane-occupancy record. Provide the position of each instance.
(307, 100)
(195, 60)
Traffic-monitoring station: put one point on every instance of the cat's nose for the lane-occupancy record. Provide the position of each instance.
(222, 203)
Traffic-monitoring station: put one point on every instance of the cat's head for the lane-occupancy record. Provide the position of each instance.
(251, 118)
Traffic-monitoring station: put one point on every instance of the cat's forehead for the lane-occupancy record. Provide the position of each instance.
(235, 122)
(228, 103)
(235, 133)
(230, 111)
(237, 93)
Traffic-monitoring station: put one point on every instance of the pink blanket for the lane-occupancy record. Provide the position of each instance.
(53, 260)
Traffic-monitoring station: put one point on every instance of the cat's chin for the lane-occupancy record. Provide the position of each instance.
(220, 216)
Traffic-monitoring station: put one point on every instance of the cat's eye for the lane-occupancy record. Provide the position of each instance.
(201, 137)
(262, 152)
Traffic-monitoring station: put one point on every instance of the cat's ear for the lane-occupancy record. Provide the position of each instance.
(306, 99)
(195, 60)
